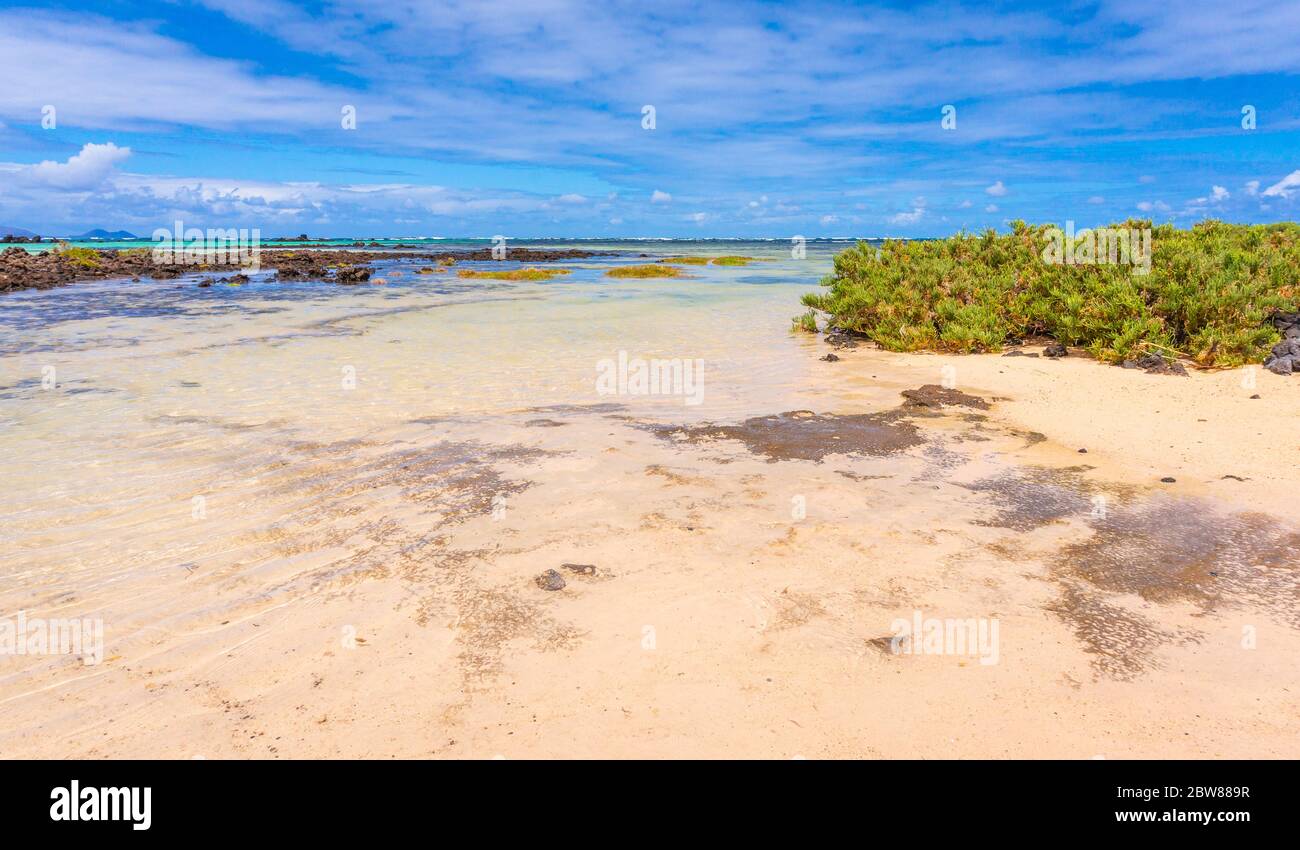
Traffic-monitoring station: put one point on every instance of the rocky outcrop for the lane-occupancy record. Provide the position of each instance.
(22, 269)
(1284, 359)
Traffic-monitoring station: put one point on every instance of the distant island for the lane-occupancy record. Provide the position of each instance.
(111, 235)
(18, 234)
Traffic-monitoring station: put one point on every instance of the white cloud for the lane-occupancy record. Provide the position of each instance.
(1252, 187)
(699, 217)
(966, 205)
(991, 208)
(572, 198)
(916, 214)
(997, 190)
(660, 197)
(39, 69)
(829, 219)
(85, 170)
(1096, 199)
(1284, 187)
(1218, 193)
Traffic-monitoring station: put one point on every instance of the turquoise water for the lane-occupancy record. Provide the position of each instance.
(683, 246)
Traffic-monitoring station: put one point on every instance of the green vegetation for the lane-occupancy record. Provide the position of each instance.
(685, 261)
(1208, 295)
(732, 261)
(806, 323)
(652, 270)
(514, 274)
(84, 258)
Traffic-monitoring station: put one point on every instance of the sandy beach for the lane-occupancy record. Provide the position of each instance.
(365, 574)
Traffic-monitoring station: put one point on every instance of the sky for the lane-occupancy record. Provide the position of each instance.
(531, 118)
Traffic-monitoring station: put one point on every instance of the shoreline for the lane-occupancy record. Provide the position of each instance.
(22, 270)
(1201, 429)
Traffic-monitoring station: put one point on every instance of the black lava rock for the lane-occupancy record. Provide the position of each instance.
(550, 580)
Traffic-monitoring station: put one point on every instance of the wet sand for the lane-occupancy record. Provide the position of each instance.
(363, 578)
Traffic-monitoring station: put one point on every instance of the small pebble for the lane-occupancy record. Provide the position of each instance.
(1168, 480)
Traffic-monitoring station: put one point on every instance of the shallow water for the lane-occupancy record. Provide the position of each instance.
(121, 403)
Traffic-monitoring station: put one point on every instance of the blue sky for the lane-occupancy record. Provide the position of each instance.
(527, 118)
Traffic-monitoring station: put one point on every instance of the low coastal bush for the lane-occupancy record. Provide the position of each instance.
(514, 274)
(653, 270)
(1205, 293)
(732, 261)
(686, 261)
(806, 323)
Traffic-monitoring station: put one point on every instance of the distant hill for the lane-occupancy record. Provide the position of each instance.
(108, 235)
(14, 231)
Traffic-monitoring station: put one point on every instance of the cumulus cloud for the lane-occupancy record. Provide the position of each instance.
(991, 208)
(83, 171)
(913, 216)
(1218, 193)
(997, 190)
(660, 197)
(1284, 187)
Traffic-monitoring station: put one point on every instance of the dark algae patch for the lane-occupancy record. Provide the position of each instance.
(805, 435)
(935, 397)
(1035, 496)
(1184, 550)
(1123, 644)
(1162, 549)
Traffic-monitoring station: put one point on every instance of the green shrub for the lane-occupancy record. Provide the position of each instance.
(1208, 295)
(806, 323)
